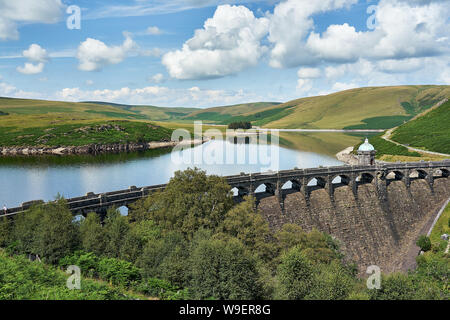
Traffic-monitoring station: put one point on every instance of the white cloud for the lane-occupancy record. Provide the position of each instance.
(94, 54)
(36, 53)
(157, 78)
(339, 86)
(228, 43)
(290, 24)
(153, 31)
(37, 57)
(30, 68)
(159, 95)
(6, 89)
(155, 52)
(400, 66)
(309, 73)
(31, 11)
(304, 85)
(403, 31)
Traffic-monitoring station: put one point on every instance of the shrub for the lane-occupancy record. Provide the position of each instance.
(223, 270)
(86, 261)
(118, 272)
(295, 275)
(424, 243)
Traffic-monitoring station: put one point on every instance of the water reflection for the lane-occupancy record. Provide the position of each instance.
(27, 178)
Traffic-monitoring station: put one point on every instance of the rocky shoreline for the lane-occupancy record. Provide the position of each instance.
(347, 156)
(93, 148)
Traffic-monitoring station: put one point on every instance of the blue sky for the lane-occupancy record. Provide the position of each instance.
(202, 53)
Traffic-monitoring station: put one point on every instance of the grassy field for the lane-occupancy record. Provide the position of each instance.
(363, 108)
(105, 132)
(26, 122)
(428, 132)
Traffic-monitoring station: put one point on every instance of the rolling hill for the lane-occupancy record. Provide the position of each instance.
(428, 132)
(362, 108)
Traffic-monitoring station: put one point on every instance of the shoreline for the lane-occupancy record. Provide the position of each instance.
(93, 148)
(347, 156)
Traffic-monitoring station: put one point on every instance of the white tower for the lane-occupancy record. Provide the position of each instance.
(366, 154)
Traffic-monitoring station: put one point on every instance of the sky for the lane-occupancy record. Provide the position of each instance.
(204, 53)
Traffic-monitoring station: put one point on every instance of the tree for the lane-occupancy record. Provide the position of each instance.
(223, 270)
(165, 258)
(240, 125)
(295, 275)
(315, 245)
(138, 236)
(116, 229)
(243, 223)
(24, 230)
(191, 200)
(5, 231)
(55, 234)
(93, 236)
(396, 286)
(332, 282)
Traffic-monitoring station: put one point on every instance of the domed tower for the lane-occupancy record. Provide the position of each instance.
(366, 154)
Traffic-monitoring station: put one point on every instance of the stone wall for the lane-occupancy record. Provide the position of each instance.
(370, 230)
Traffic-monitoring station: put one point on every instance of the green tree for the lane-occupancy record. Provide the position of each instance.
(139, 235)
(396, 286)
(5, 231)
(24, 230)
(295, 275)
(93, 236)
(332, 282)
(223, 270)
(243, 223)
(191, 200)
(116, 229)
(55, 234)
(165, 258)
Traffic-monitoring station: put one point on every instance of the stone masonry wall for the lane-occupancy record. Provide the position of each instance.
(369, 231)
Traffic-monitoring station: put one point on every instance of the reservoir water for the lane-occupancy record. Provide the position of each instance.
(32, 178)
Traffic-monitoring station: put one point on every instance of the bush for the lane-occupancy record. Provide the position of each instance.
(118, 272)
(223, 270)
(424, 243)
(295, 275)
(86, 261)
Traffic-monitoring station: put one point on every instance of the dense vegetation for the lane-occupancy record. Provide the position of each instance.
(192, 241)
(384, 147)
(430, 131)
(240, 125)
(105, 132)
(22, 279)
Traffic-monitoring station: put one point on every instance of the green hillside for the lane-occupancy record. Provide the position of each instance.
(234, 113)
(429, 132)
(362, 108)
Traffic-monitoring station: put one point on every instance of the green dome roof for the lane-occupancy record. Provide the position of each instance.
(366, 146)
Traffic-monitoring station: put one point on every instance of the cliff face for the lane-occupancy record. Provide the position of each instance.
(371, 231)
